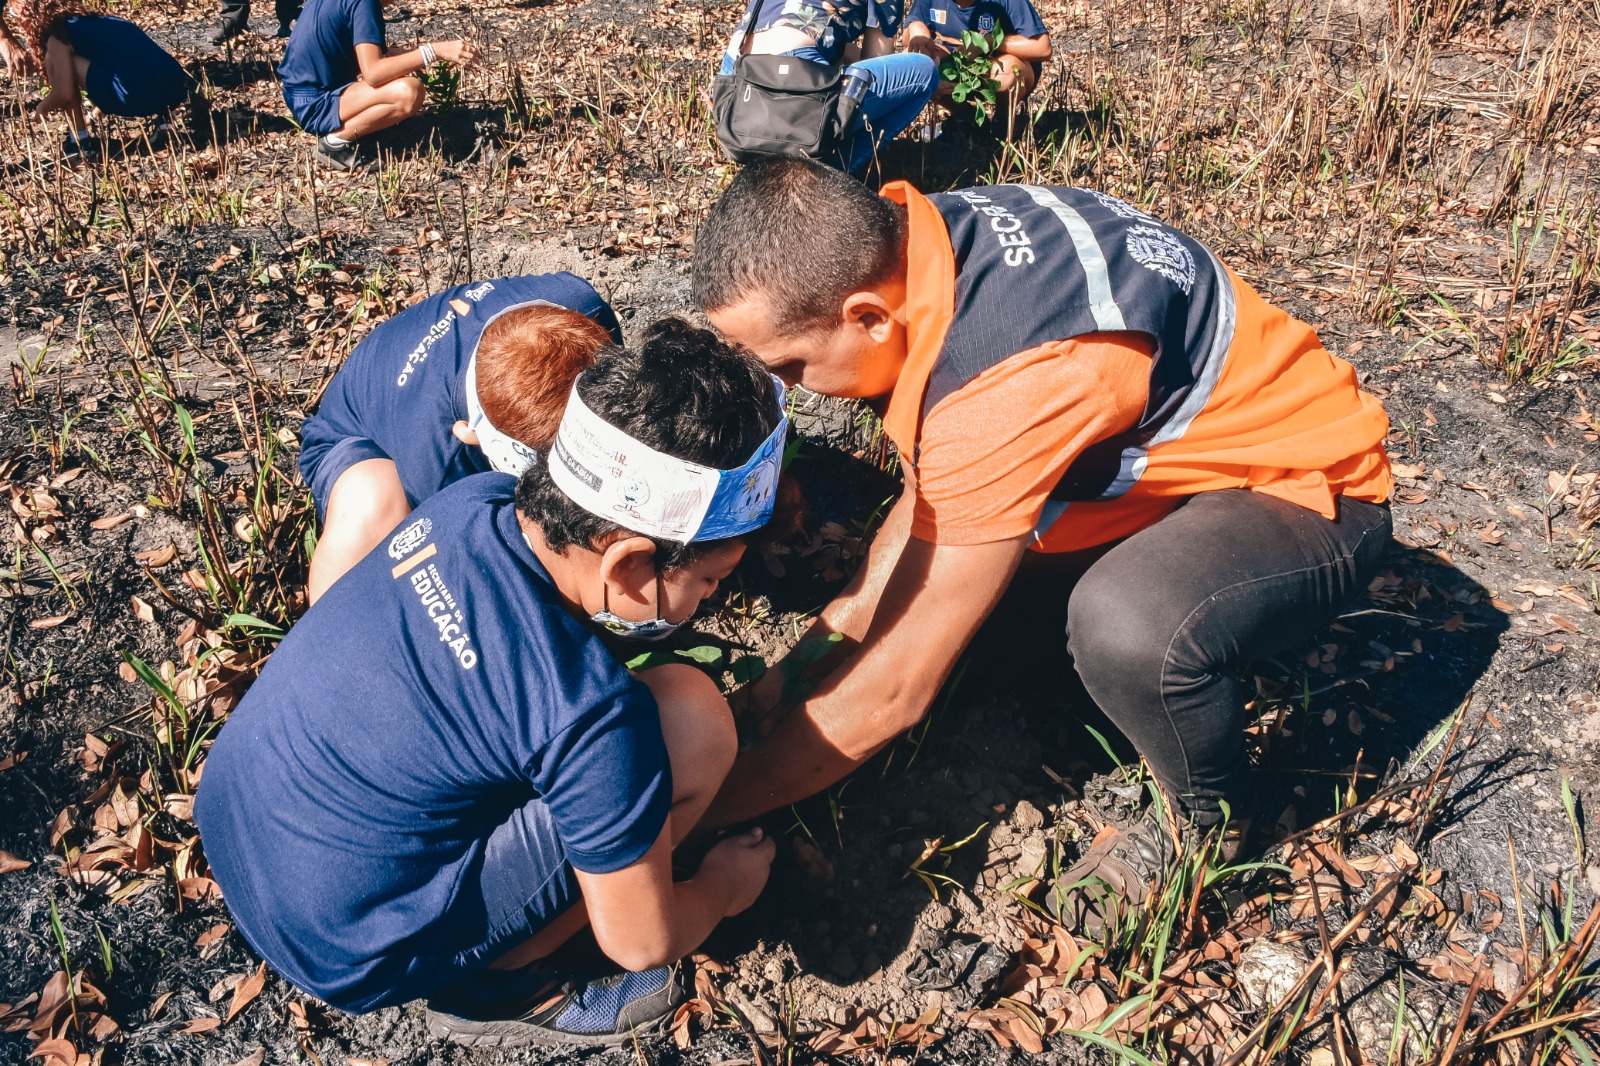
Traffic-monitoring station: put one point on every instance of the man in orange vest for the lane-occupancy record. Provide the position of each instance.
(1061, 373)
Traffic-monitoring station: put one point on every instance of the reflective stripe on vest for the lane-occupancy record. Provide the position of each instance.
(1036, 265)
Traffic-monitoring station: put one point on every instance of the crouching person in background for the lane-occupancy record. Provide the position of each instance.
(112, 61)
(442, 773)
(343, 82)
(469, 380)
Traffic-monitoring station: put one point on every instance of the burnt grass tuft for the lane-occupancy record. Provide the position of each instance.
(1417, 179)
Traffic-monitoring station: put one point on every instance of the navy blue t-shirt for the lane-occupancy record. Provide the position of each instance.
(946, 18)
(129, 74)
(405, 385)
(321, 54)
(436, 688)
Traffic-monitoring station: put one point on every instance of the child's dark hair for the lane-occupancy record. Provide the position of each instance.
(682, 391)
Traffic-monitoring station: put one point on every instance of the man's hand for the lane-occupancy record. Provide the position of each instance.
(742, 863)
(933, 602)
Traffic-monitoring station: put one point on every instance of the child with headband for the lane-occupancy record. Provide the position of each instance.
(469, 380)
(442, 773)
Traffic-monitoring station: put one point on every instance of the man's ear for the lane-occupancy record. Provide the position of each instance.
(628, 568)
(870, 312)
(463, 434)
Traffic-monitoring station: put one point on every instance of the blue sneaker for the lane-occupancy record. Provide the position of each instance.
(509, 1008)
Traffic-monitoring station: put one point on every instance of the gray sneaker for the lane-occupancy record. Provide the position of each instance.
(512, 1008)
(342, 156)
(1113, 879)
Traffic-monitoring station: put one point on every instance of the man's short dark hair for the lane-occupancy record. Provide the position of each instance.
(802, 235)
(682, 391)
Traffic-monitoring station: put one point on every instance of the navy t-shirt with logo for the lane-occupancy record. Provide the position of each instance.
(405, 385)
(946, 18)
(437, 688)
(321, 54)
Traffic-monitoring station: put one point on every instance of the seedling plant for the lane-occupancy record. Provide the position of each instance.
(968, 67)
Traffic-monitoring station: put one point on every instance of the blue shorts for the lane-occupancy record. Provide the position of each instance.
(519, 884)
(317, 110)
(129, 74)
(524, 883)
(323, 463)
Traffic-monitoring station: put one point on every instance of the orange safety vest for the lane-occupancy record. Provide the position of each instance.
(1241, 394)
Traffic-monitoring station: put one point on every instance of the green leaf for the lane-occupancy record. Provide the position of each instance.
(747, 668)
(250, 621)
(649, 660)
(706, 653)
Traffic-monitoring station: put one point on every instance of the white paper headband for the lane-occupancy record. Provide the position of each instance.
(608, 473)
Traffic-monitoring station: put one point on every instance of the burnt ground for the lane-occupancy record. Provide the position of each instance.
(172, 318)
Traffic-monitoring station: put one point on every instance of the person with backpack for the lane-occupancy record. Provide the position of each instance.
(850, 38)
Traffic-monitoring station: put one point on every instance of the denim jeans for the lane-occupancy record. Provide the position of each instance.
(902, 85)
(1159, 625)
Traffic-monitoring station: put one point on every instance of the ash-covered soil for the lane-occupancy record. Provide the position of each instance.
(896, 904)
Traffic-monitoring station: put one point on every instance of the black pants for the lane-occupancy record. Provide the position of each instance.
(237, 12)
(1159, 625)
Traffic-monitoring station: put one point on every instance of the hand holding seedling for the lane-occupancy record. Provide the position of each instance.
(971, 69)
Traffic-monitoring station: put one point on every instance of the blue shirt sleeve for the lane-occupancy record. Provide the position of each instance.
(608, 783)
(366, 23)
(1025, 20)
(918, 12)
(886, 15)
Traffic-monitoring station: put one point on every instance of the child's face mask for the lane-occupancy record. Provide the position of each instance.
(657, 628)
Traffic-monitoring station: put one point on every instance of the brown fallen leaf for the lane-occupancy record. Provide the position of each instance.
(110, 521)
(258, 1056)
(156, 558)
(201, 1025)
(10, 864)
(48, 623)
(56, 1053)
(142, 609)
(246, 991)
(156, 1007)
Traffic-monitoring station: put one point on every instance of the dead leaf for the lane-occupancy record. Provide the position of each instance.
(259, 1055)
(56, 1053)
(10, 864)
(246, 991)
(156, 558)
(142, 610)
(462, 308)
(201, 1025)
(161, 1001)
(48, 623)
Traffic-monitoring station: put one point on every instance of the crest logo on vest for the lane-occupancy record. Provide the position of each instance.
(1156, 249)
(410, 538)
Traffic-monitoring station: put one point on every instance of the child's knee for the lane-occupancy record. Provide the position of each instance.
(412, 94)
(368, 499)
(696, 724)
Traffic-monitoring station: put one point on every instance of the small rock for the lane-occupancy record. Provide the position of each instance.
(1267, 970)
(776, 972)
(1026, 816)
(1031, 856)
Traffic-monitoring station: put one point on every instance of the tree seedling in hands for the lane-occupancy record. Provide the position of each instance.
(970, 69)
(443, 82)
